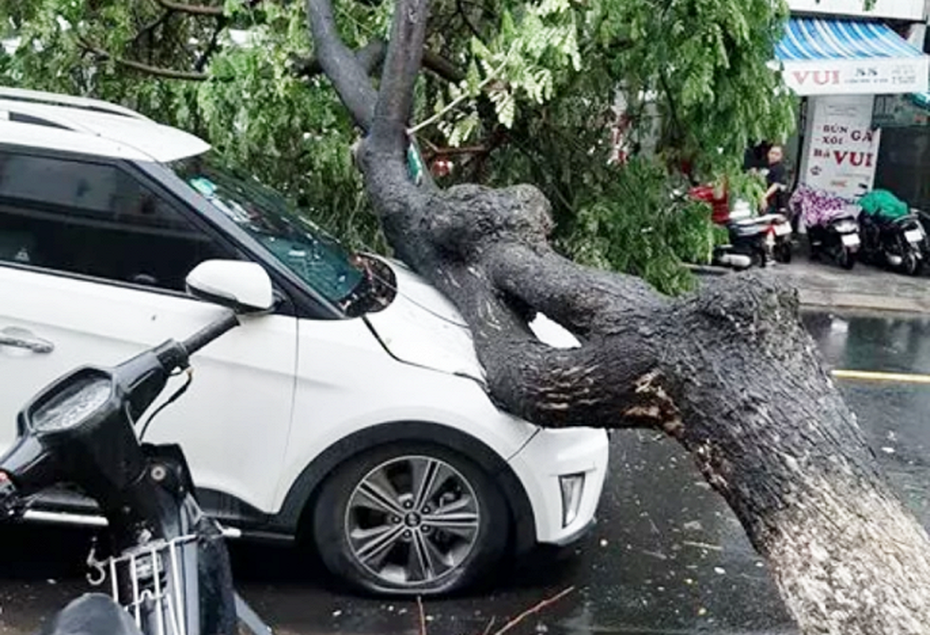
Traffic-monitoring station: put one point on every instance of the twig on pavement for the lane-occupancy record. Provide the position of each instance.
(487, 629)
(534, 609)
(422, 616)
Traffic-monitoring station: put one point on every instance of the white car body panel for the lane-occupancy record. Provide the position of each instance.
(441, 339)
(243, 378)
(553, 453)
(66, 141)
(346, 383)
(116, 135)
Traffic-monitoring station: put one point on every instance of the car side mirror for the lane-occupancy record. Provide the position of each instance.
(242, 286)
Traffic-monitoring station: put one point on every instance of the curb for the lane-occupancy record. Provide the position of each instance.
(826, 299)
(840, 300)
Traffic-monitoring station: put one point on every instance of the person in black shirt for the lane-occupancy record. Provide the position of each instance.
(776, 178)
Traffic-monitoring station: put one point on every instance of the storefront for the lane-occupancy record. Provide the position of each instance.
(839, 66)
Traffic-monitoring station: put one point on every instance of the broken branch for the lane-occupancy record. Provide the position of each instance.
(158, 71)
(422, 615)
(533, 609)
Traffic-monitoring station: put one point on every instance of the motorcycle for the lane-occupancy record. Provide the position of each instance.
(753, 240)
(892, 233)
(168, 572)
(831, 222)
(899, 242)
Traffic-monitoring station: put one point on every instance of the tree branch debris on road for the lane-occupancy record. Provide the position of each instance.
(513, 623)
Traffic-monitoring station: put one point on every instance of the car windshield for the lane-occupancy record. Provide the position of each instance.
(302, 246)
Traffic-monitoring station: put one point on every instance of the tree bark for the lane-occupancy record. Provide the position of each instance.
(729, 372)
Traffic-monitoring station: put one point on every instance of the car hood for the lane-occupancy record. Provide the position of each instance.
(421, 326)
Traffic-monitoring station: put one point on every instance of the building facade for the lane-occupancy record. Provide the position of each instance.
(861, 75)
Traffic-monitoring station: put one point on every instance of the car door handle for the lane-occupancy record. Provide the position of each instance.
(34, 344)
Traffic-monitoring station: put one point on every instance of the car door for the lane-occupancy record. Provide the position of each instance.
(92, 265)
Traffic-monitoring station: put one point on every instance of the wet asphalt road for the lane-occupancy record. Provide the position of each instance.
(667, 557)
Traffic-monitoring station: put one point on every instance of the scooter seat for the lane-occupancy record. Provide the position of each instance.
(749, 222)
(772, 218)
(752, 229)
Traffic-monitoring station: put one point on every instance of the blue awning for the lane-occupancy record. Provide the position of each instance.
(837, 57)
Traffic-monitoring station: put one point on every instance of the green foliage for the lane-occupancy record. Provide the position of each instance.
(291, 133)
(641, 226)
(538, 82)
(748, 186)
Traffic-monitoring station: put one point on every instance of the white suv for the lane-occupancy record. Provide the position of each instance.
(356, 415)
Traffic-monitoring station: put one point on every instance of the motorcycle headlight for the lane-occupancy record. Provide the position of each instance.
(73, 404)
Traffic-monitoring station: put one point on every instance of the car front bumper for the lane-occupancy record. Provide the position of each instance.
(544, 463)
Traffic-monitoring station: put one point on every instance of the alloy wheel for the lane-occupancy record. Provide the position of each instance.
(412, 520)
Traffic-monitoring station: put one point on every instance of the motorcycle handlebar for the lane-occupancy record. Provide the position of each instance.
(210, 332)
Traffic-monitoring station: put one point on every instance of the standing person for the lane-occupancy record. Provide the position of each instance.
(776, 178)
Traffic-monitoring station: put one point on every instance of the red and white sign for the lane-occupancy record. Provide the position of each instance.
(842, 147)
(876, 76)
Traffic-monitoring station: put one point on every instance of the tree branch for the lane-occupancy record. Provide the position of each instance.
(371, 56)
(539, 606)
(193, 9)
(158, 71)
(455, 102)
(212, 45)
(151, 26)
(460, 7)
(442, 67)
(405, 52)
(342, 67)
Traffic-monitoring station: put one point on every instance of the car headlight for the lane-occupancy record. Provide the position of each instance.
(572, 489)
(73, 404)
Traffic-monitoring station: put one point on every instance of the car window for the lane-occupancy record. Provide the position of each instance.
(280, 228)
(94, 219)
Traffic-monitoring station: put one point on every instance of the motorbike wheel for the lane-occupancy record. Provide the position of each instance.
(783, 252)
(846, 259)
(911, 264)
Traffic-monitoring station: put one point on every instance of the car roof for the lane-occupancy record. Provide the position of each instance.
(89, 126)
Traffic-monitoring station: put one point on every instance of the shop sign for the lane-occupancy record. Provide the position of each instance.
(877, 76)
(842, 146)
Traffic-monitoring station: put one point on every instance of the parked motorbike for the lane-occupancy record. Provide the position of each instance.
(900, 243)
(168, 572)
(831, 222)
(838, 239)
(754, 240)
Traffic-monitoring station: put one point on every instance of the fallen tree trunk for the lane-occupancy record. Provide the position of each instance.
(728, 372)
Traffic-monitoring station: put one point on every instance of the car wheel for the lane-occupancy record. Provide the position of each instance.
(410, 518)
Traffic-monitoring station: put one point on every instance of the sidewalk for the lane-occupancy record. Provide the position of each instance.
(824, 284)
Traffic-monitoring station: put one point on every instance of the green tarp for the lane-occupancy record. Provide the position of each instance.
(883, 203)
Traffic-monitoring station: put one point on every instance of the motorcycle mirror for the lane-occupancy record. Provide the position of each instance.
(242, 286)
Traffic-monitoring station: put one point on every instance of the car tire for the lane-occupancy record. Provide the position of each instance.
(372, 533)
